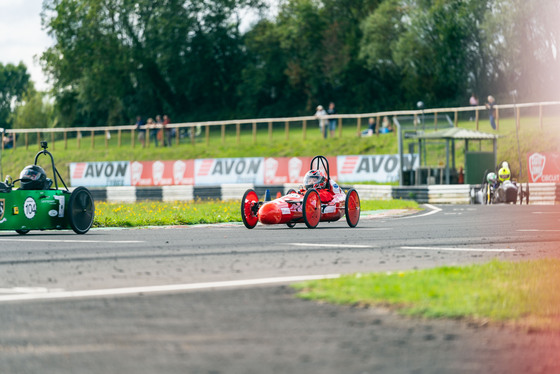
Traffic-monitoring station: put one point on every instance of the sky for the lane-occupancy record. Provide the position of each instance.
(21, 37)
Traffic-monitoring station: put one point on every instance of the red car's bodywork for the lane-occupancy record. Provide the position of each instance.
(302, 206)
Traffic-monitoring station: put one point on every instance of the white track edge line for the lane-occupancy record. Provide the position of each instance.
(162, 288)
(434, 210)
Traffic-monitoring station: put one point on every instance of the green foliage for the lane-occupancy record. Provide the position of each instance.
(33, 112)
(113, 59)
(14, 82)
(156, 213)
(524, 293)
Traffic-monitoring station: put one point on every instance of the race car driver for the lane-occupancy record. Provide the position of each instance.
(318, 179)
(33, 177)
(504, 174)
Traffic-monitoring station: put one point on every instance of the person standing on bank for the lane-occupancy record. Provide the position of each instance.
(332, 121)
(321, 114)
(491, 110)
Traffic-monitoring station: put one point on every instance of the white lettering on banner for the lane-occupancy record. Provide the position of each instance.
(93, 174)
(378, 168)
(229, 170)
(544, 167)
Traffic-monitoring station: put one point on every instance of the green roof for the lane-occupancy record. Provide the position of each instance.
(456, 133)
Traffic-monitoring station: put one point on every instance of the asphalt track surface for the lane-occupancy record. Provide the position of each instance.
(215, 299)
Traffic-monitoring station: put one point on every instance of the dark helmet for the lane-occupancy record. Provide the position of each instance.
(34, 178)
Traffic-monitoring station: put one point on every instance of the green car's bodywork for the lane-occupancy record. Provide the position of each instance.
(23, 210)
(34, 210)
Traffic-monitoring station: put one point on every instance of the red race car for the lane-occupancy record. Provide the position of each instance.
(319, 200)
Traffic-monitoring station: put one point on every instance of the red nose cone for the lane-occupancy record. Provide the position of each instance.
(270, 214)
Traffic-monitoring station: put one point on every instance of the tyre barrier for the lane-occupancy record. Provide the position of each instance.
(540, 193)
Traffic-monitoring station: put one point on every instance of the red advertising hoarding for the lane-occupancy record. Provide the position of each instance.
(544, 167)
(162, 173)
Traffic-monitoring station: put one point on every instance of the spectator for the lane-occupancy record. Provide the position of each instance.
(387, 127)
(169, 133)
(141, 128)
(491, 110)
(473, 101)
(320, 114)
(8, 141)
(371, 127)
(332, 121)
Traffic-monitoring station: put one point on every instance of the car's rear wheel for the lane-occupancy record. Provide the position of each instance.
(249, 208)
(311, 208)
(352, 207)
(22, 232)
(82, 210)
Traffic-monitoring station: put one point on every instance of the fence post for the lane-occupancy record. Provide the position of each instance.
(238, 133)
(456, 119)
(287, 127)
(119, 138)
(132, 138)
(92, 140)
(339, 128)
(193, 136)
(518, 117)
(223, 133)
(147, 142)
(207, 135)
(476, 118)
(79, 138)
(540, 115)
(497, 118)
(415, 121)
(359, 126)
(26, 141)
(107, 134)
(65, 139)
(270, 131)
(38, 139)
(52, 141)
(254, 132)
(435, 121)
(377, 125)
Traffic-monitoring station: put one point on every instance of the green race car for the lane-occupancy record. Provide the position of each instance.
(35, 205)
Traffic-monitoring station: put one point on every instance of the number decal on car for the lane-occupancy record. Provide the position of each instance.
(29, 207)
(61, 202)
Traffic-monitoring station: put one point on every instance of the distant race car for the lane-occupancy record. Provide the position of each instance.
(37, 206)
(498, 188)
(305, 205)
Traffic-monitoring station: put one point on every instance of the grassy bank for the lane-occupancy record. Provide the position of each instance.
(532, 137)
(525, 294)
(156, 213)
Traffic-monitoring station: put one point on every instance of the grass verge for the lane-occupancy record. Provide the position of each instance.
(523, 294)
(157, 213)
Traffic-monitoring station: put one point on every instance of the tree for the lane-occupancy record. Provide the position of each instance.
(33, 111)
(14, 82)
(114, 59)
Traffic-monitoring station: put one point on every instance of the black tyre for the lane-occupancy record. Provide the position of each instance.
(81, 210)
(249, 208)
(22, 232)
